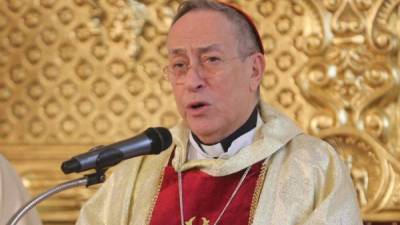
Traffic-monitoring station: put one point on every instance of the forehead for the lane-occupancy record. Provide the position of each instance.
(200, 29)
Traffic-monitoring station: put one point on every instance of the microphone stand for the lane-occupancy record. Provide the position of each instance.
(87, 180)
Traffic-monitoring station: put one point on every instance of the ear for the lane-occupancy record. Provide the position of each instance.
(258, 67)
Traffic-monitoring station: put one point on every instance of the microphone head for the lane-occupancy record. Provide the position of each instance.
(161, 139)
(70, 166)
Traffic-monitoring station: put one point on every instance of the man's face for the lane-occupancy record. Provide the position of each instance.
(217, 93)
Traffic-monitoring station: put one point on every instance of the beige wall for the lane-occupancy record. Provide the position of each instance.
(76, 73)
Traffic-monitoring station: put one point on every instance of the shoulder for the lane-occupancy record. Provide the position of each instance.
(312, 150)
(311, 159)
(310, 166)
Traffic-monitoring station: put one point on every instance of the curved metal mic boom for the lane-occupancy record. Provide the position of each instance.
(87, 180)
(151, 141)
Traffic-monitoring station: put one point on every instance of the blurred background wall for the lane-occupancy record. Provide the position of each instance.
(79, 73)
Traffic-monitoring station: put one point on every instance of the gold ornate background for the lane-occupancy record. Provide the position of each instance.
(78, 73)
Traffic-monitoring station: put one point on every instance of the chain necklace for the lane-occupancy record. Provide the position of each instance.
(226, 205)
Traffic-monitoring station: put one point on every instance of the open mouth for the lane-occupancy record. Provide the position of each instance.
(197, 105)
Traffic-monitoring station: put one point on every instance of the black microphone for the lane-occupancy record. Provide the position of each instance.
(151, 141)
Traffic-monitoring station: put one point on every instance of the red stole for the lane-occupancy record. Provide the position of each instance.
(204, 197)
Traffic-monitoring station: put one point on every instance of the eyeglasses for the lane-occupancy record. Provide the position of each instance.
(208, 67)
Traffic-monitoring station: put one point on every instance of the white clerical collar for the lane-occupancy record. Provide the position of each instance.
(200, 151)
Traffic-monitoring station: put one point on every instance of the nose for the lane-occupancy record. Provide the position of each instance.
(194, 78)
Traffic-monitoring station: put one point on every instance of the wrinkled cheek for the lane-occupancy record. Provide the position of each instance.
(180, 108)
(179, 104)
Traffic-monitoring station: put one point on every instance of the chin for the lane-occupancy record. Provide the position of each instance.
(206, 134)
(200, 130)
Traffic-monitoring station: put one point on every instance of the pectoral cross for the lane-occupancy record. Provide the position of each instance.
(190, 221)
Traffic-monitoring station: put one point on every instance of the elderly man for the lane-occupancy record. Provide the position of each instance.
(234, 160)
(13, 195)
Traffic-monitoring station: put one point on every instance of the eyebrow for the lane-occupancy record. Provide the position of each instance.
(179, 51)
